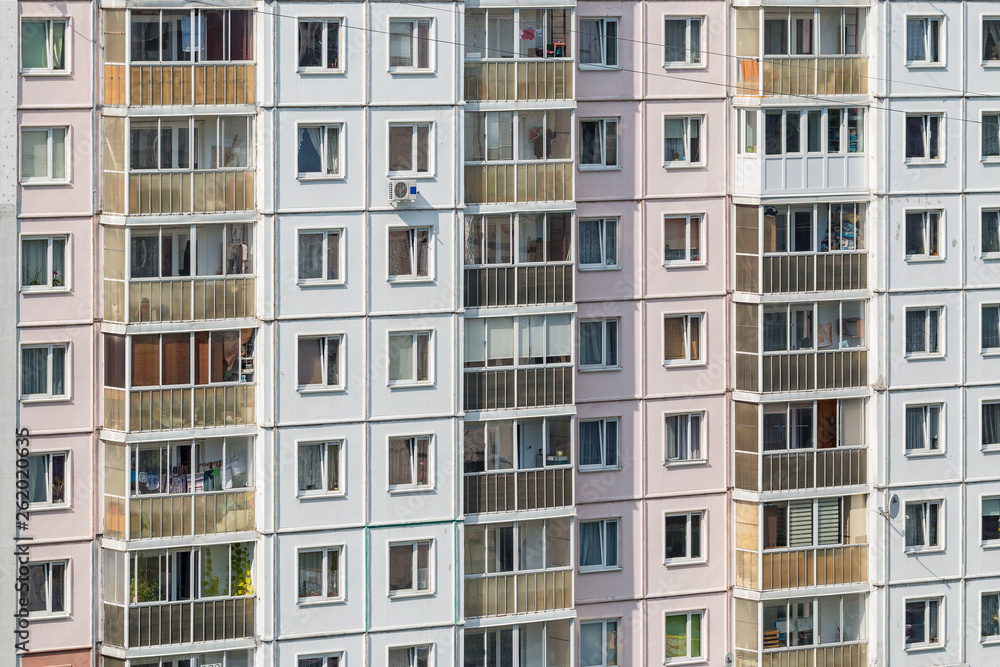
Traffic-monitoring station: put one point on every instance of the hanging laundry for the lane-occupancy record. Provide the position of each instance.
(528, 34)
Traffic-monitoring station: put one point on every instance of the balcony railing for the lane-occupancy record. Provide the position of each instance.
(518, 388)
(506, 594)
(539, 488)
(206, 191)
(187, 299)
(820, 272)
(166, 623)
(518, 182)
(185, 515)
(805, 371)
(518, 285)
(189, 407)
(802, 75)
(814, 566)
(510, 81)
(846, 655)
(802, 469)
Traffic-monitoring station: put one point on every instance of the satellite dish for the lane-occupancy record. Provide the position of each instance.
(893, 506)
(729, 659)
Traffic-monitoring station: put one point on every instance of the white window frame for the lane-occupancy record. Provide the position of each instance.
(604, 39)
(993, 213)
(688, 219)
(338, 657)
(940, 624)
(325, 447)
(414, 562)
(47, 612)
(929, 312)
(608, 627)
(48, 395)
(414, 336)
(341, 52)
(918, 548)
(991, 62)
(987, 351)
(48, 286)
(983, 637)
(604, 130)
(48, 502)
(689, 61)
(987, 446)
(607, 263)
(414, 150)
(324, 597)
(324, 128)
(929, 413)
(925, 135)
(413, 651)
(416, 67)
(684, 421)
(686, 319)
(603, 427)
(605, 565)
(49, 178)
(702, 144)
(606, 362)
(340, 233)
(341, 364)
(994, 120)
(414, 276)
(932, 224)
(48, 70)
(701, 638)
(412, 445)
(991, 543)
(702, 556)
(942, 52)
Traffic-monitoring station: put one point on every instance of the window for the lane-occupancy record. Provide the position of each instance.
(409, 44)
(334, 660)
(682, 339)
(320, 468)
(791, 425)
(43, 46)
(991, 328)
(990, 220)
(599, 43)
(320, 575)
(409, 568)
(599, 143)
(922, 332)
(543, 33)
(923, 232)
(599, 643)
(220, 357)
(319, 256)
(517, 547)
(922, 138)
(539, 237)
(43, 371)
(804, 523)
(682, 537)
(599, 443)
(682, 141)
(409, 463)
(43, 263)
(319, 45)
(320, 362)
(189, 143)
(991, 520)
(923, 525)
(991, 40)
(165, 252)
(409, 253)
(682, 638)
(409, 357)
(681, 41)
(44, 157)
(924, 429)
(923, 618)
(797, 131)
(527, 444)
(320, 151)
(923, 41)
(599, 344)
(47, 479)
(166, 36)
(991, 424)
(599, 545)
(541, 339)
(990, 618)
(682, 240)
(826, 228)
(409, 149)
(505, 136)
(47, 588)
(412, 656)
(684, 437)
(599, 243)
(185, 466)
(991, 136)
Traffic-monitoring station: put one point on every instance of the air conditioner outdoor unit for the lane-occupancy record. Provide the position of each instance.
(402, 191)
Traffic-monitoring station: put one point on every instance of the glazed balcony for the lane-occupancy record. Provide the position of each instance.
(507, 389)
(516, 490)
(518, 81)
(518, 593)
(168, 623)
(529, 285)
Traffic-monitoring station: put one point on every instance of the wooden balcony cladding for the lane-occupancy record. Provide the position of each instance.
(190, 192)
(541, 488)
(190, 300)
(186, 515)
(848, 655)
(814, 273)
(190, 407)
(802, 75)
(817, 566)
(175, 85)
(514, 81)
(114, 85)
(518, 285)
(506, 594)
(520, 388)
(518, 183)
(840, 369)
(166, 623)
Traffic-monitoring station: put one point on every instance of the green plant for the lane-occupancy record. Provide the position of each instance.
(209, 584)
(145, 591)
(241, 569)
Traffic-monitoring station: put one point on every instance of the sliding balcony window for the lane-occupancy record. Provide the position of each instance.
(172, 575)
(44, 372)
(321, 363)
(523, 444)
(819, 326)
(683, 240)
(44, 155)
(818, 228)
(46, 589)
(540, 643)
(925, 41)
(518, 136)
(195, 358)
(684, 637)
(599, 43)
(924, 526)
(540, 339)
(684, 438)
(167, 36)
(599, 341)
(47, 480)
(683, 538)
(43, 263)
(833, 131)
(599, 244)
(682, 39)
(924, 230)
(924, 332)
(825, 31)
(185, 466)
(683, 140)
(925, 429)
(517, 547)
(320, 151)
(599, 643)
(43, 46)
(521, 238)
(320, 575)
(805, 523)
(192, 143)
(825, 620)
(923, 138)
(822, 424)
(410, 45)
(320, 48)
(599, 444)
(683, 339)
(410, 568)
(599, 545)
(320, 469)
(923, 623)
(186, 250)
(320, 257)
(519, 33)
(411, 465)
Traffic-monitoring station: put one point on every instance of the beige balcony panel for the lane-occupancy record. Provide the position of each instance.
(851, 655)
(507, 594)
(510, 81)
(519, 183)
(829, 75)
(819, 272)
(541, 488)
(839, 369)
(818, 566)
(172, 85)
(518, 285)
(168, 623)
(114, 409)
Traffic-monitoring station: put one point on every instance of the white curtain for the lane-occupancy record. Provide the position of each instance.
(673, 140)
(590, 343)
(34, 371)
(590, 443)
(310, 150)
(38, 479)
(310, 256)
(34, 262)
(310, 467)
(991, 135)
(591, 39)
(400, 472)
(915, 331)
(401, 357)
(990, 615)
(675, 40)
(590, 242)
(991, 39)
(915, 49)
